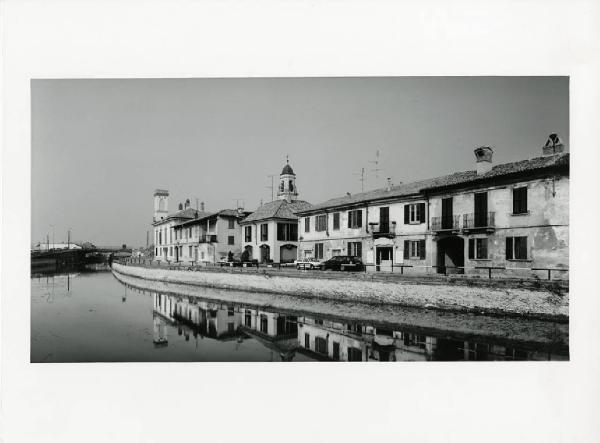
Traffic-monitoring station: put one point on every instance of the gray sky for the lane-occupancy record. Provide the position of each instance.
(101, 147)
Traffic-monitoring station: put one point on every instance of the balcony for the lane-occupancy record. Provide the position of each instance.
(479, 221)
(445, 224)
(208, 238)
(386, 230)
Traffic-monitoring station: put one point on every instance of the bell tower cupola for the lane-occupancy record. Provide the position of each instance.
(287, 183)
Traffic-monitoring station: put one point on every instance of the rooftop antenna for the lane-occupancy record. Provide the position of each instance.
(376, 163)
(361, 179)
(272, 187)
(237, 203)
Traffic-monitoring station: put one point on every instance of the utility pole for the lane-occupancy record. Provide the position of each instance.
(53, 244)
(272, 187)
(237, 202)
(148, 232)
(361, 179)
(69, 239)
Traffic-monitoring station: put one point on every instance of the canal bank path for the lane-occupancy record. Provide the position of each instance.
(505, 298)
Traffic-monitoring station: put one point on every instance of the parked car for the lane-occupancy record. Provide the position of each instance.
(343, 263)
(308, 263)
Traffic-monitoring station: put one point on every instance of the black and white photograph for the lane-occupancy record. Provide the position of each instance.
(299, 221)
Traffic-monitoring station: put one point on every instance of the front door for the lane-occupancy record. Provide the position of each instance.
(384, 258)
(384, 220)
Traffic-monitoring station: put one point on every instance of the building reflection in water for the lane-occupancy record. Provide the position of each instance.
(321, 338)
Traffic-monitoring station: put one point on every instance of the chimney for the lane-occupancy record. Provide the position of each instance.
(554, 145)
(180, 206)
(348, 194)
(187, 203)
(202, 206)
(483, 155)
(240, 211)
(389, 184)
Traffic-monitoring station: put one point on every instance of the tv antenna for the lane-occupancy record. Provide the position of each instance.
(376, 163)
(237, 202)
(272, 187)
(361, 179)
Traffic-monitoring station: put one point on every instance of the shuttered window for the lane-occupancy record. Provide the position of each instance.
(516, 248)
(248, 233)
(321, 345)
(414, 213)
(306, 224)
(264, 232)
(520, 200)
(478, 248)
(355, 249)
(355, 219)
(319, 251)
(336, 221)
(414, 249)
(320, 223)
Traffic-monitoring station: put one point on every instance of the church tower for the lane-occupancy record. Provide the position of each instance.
(161, 204)
(287, 184)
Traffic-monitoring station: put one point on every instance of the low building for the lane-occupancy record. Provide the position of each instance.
(54, 246)
(511, 218)
(270, 234)
(210, 238)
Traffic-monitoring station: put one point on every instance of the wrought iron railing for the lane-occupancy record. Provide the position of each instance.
(383, 229)
(478, 220)
(209, 238)
(444, 223)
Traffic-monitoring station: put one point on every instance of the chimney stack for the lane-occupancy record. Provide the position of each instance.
(202, 206)
(180, 206)
(187, 203)
(483, 156)
(554, 145)
(389, 184)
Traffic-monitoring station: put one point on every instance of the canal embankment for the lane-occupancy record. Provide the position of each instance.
(522, 298)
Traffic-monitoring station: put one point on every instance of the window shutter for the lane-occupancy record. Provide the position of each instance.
(421, 213)
(359, 221)
(509, 248)
(484, 244)
(524, 199)
(516, 205)
(359, 250)
(422, 249)
(471, 248)
(349, 219)
(406, 214)
(406, 249)
(522, 248)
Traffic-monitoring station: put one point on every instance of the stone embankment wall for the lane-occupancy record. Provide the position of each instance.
(466, 297)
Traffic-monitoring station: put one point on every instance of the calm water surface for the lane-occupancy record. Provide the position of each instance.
(93, 317)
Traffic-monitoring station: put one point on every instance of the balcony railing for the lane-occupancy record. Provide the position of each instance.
(209, 238)
(477, 220)
(383, 229)
(446, 223)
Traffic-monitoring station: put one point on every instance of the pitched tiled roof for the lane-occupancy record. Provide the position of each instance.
(456, 179)
(278, 209)
(183, 214)
(202, 216)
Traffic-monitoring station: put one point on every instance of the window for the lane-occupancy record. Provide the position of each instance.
(414, 249)
(230, 311)
(231, 240)
(287, 231)
(264, 232)
(264, 324)
(156, 253)
(478, 248)
(321, 223)
(307, 341)
(190, 251)
(520, 200)
(248, 318)
(336, 252)
(248, 233)
(321, 345)
(355, 219)
(231, 223)
(336, 350)
(355, 249)
(319, 251)
(414, 213)
(354, 354)
(306, 224)
(230, 327)
(516, 248)
(336, 221)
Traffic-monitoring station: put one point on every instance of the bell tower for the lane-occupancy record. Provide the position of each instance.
(287, 183)
(161, 204)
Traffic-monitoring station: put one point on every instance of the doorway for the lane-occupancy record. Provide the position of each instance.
(384, 258)
(451, 255)
(287, 253)
(265, 253)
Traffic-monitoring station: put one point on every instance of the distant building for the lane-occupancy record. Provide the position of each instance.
(209, 238)
(53, 246)
(165, 246)
(270, 234)
(513, 216)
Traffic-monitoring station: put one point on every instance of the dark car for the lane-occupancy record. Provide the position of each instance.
(343, 263)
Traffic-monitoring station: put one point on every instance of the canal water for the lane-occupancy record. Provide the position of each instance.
(95, 317)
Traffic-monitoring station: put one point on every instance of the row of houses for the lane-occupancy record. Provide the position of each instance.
(511, 216)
